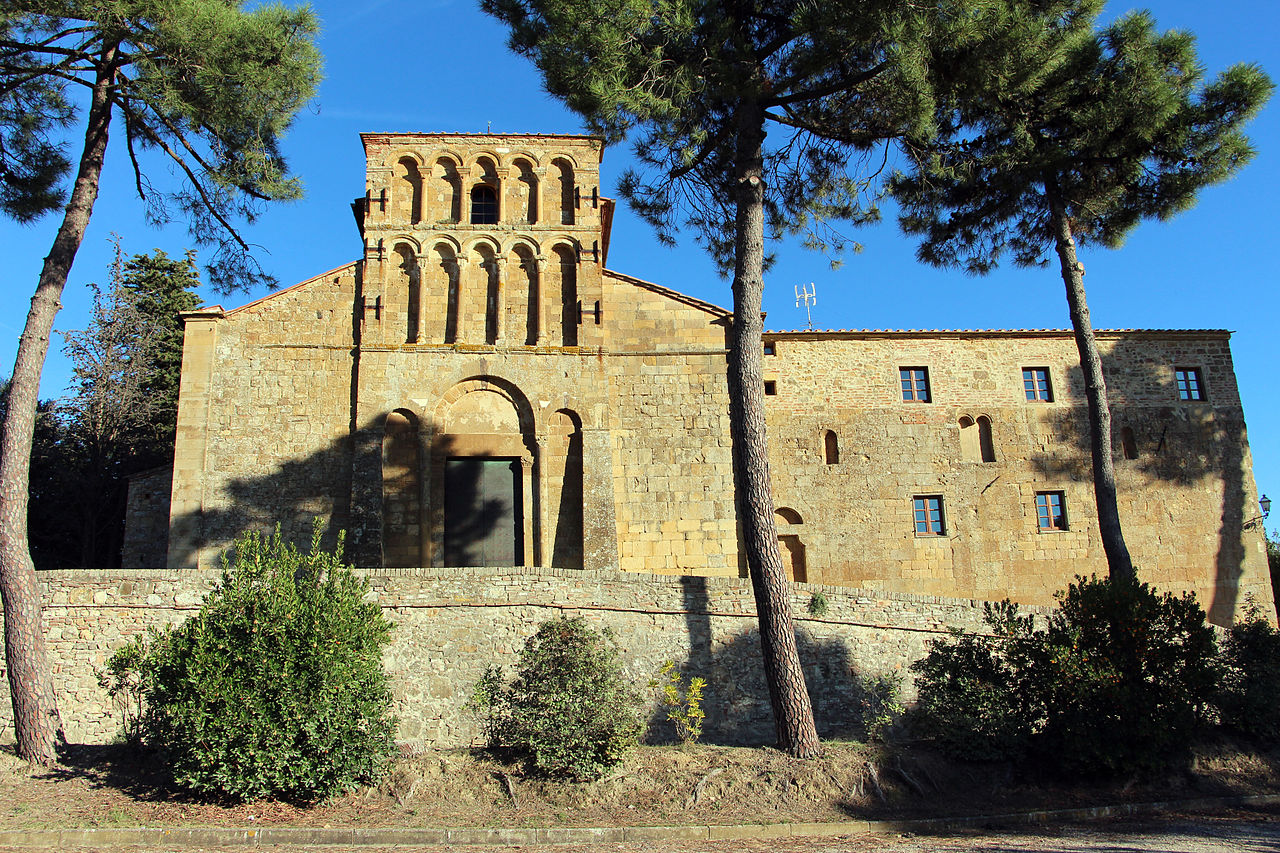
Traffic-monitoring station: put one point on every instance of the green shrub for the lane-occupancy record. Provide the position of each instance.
(1249, 693)
(1124, 677)
(880, 705)
(275, 688)
(971, 689)
(569, 712)
(1117, 683)
(682, 704)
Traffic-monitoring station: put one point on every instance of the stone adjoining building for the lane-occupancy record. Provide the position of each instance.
(479, 389)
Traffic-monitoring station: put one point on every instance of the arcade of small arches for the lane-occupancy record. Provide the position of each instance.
(482, 481)
(520, 297)
(486, 188)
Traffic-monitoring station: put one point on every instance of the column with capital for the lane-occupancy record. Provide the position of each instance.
(425, 304)
(526, 487)
(455, 323)
(497, 297)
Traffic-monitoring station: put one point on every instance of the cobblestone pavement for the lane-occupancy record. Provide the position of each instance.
(1179, 834)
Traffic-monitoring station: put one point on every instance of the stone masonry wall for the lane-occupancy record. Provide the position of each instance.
(451, 623)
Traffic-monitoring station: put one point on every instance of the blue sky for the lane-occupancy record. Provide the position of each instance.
(441, 65)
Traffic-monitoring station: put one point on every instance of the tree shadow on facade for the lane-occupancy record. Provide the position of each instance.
(736, 698)
(352, 484)
(1190, 444)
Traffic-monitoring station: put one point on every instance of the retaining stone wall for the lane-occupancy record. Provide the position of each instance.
(451, 623)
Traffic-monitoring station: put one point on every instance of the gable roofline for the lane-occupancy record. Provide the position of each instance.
(282, 292)
(676, 295)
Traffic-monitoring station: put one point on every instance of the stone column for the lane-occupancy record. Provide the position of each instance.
(423, 264)
(526, 485)
(461, 292)
(499, 307)
(541, 266)
(426, 434)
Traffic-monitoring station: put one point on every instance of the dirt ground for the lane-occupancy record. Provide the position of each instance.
(113, 786)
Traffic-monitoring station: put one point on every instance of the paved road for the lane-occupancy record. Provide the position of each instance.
(1237, 833)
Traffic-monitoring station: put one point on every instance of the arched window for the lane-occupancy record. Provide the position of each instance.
(407, 194)
(790, 547)
(831, 445)
(484, 205)
(975, 440)
(1128, 443)
(565, 192)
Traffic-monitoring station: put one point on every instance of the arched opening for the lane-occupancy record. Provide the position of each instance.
(564, 288)
(446, 192)
(790, 547)
(481, 300)
(986, 446)
(525, 205)
(564, 190)
(975, 440)
(522, 297)
(408, 291)
(406, 194)
(484, 205)
(441, 289)
(401, 495)
(831, 447)
(563, 458)
(1128, 443)
(482, 477)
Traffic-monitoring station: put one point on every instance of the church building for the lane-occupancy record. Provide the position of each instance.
(479, 388)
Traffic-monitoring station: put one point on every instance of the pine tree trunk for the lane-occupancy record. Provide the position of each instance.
(37, 725)
(1119, 563)
(792, 711)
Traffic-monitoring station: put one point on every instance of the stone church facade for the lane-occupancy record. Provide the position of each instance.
(479, 389)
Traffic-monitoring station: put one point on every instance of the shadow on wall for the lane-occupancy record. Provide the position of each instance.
(370, 485)
(1188, 444)
(736, 698)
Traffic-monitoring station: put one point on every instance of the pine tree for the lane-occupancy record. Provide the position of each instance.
(205, 86)
(699, 84)
(1081, 138)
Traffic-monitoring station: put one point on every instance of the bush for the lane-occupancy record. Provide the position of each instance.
(971, 698)
(1117, 683)
(569, 712)
(1249, 693)
(275, 688)
(879, 704)
(1124, 677)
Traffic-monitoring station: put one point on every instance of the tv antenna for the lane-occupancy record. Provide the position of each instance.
(807, 294)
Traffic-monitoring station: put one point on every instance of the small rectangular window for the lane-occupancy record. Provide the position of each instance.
(1035, 383)
(770, 348)
(927, 510)
(1190, 385)
(1051, 513)
(770, 388)
(915, 384)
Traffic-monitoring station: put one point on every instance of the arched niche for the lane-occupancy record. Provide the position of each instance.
(562, 458)
(522, 296)
(406, 192)
(446, 191)
(524, 193)
(482, 477)
(830, 447)
(563, 190)
(790, 546)
(401, 491)
(440, 294)
(406, 291)
(562, 287)
(976, 444)
(478, 320)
